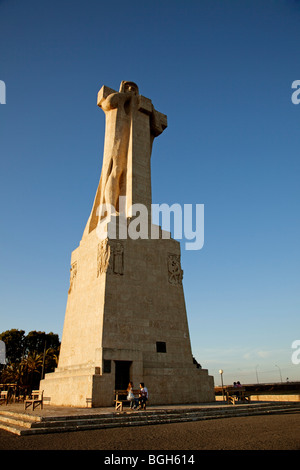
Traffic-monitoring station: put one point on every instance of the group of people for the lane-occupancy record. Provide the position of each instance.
(140, 401)
(237, 394)
(237, 384)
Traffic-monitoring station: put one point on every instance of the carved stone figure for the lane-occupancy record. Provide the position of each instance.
(103, 257)
(73, 274)
(175, 273)
(118, 259)
(132, 123)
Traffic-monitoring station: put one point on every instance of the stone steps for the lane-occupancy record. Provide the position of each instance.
(25, 424)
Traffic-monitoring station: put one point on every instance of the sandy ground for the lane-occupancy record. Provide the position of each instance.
(267, 432)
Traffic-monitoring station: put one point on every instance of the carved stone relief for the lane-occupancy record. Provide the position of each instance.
(73, 275)
(118, 256)
(103, 257)
(175, 273)
(110, 258)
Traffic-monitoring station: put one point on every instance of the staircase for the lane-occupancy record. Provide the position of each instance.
(21, 423)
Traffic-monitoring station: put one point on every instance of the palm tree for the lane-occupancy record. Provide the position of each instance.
(33, 363)
(50, 361)
(28, 372)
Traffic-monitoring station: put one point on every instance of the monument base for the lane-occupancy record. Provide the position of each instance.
(126, 321)
(82, 387)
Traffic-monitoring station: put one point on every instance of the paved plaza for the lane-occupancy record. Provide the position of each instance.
(267, 432)
(277, 430)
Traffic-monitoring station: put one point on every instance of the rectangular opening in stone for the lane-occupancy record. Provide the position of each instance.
(122, 374)
(161, 347)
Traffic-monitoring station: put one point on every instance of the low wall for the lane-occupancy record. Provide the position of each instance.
(275, 397)
(269, 397)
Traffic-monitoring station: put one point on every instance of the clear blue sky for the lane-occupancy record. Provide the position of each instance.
(222, 72)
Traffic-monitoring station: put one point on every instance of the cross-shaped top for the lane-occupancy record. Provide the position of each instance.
(132, 123)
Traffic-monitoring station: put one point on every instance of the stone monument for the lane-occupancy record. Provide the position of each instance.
(126, 317)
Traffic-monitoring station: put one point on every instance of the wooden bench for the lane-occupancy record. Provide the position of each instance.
(4, 397)
(35, 400)
(89, 402)
(234, 394)
(121, 397)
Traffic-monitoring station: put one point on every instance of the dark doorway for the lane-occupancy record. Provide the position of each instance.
(122, 376)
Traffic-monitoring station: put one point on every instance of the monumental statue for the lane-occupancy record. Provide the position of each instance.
(125, 317)
(132, 122)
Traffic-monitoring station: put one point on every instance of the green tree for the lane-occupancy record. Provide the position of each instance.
(14, 373)
(29, 357)
(38, 341)
(15, 343)
(33, 365)
(35, 341)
